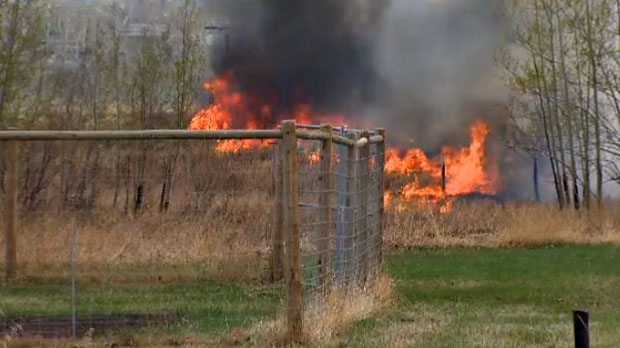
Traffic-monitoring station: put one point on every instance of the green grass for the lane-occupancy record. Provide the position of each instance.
(496, 298)
(206, 306)
(464, 297)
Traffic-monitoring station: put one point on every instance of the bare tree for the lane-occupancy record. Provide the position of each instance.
(189, 61)
(148, 96)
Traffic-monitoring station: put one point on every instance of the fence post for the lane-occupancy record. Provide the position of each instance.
(351, 213)
(10, 208)
(581, 326)
(277, 252)
(381, 181)
(291, 231)
(325, 204)
(341, 205)
(363, 256)
(73, 281)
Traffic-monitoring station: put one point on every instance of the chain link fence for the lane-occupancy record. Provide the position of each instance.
(172, 232)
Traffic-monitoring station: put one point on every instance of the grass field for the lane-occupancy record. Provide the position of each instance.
(496, 298)
(458, 297)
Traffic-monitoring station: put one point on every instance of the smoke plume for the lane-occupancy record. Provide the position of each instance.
(421, 68)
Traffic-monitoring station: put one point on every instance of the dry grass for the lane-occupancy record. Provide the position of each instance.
(324, 323)
(232, 233)
(494, 225)
(341, 310)
(220, 235)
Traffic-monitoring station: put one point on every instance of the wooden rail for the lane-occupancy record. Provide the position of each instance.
(236, 134)
(19, 135)
(352, 204)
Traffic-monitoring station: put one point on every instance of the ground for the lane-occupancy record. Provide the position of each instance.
(496, 298)
(442, 297)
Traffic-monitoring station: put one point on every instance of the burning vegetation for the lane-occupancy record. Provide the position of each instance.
(413, 177)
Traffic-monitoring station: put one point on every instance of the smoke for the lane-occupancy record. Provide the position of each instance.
(436, 60)
(297, 52)
(422, 69)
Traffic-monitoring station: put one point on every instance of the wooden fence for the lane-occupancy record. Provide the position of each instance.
(352, 148)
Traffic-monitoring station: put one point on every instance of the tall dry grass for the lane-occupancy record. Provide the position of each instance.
(221, 208)
(228, 240)
(490, 224)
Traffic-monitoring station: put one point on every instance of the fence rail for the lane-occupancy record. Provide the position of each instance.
(326, 225)
(174, 135)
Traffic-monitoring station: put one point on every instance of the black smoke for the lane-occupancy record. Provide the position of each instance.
(297, 51)
(420, 68)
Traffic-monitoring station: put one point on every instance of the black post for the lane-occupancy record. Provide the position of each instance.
(581, 327)
(536, 190)
(443, 174)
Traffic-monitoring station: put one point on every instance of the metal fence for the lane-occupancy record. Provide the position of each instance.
(169, 232)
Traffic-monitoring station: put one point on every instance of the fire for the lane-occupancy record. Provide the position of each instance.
(315, 156)
(233, 109)
(219, 115)
(438, 180)
(464, 171)
(387, 198)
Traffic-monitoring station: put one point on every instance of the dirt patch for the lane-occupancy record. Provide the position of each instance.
(60, 326)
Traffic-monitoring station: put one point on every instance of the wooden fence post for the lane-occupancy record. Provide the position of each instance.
(10, 209)
(291, 231)
(381, 186)
(277, 242)
(363, 233)
(325, 214)
(339, 261)
(351, 227)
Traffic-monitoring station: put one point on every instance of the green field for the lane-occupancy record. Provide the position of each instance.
(442, 298)
(497, 298)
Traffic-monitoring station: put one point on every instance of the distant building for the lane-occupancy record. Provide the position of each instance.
(133, 21)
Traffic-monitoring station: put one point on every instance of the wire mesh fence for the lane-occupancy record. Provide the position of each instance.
(167, 233)
(341, 197)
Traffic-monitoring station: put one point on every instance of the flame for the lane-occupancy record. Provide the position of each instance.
(465, 170)
(315, 156)
(387, 198)
(233, 109)
(219, 115)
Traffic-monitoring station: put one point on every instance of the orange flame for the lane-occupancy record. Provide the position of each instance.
(466, 170)
(387, 198)
(219, 116)
(231, 107)
(315, 156)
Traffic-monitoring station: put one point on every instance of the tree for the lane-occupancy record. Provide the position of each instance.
(189, 60)
(571, 70)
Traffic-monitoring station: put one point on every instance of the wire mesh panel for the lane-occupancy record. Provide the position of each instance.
(313, 220)
(158, 236)
(188, 236)
(341, 199)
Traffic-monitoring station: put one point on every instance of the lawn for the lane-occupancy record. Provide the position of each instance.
(172, 300)
(473, 297)
(454, 297)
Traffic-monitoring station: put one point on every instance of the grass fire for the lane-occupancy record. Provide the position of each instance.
(312, 173)
(417, 179)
